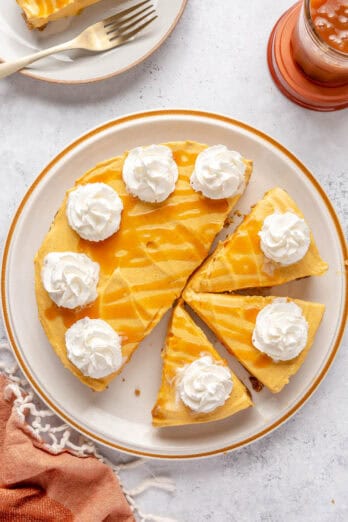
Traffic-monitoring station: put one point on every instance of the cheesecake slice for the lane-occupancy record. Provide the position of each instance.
(233, 317)
(185, 344)
(239, 262)
(144, 266)
(38, 13)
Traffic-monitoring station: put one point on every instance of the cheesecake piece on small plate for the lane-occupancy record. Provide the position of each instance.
(38, 13)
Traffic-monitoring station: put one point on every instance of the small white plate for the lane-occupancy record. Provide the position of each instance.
(117, 417)
(16, 40)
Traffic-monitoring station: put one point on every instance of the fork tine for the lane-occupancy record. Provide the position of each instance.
(121, 14)
(125, 37)
(112, 26)
(124, 28)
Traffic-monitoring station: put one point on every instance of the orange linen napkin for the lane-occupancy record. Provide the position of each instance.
(36, 486)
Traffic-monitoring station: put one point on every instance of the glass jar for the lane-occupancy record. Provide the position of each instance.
(318, 59)
(303, 65)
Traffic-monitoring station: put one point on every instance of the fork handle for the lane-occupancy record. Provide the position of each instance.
(8, 68)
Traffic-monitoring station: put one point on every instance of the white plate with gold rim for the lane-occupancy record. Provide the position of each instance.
(16, 40)
(119, 417)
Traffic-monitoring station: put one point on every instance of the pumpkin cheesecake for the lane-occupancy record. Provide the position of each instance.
(38, 13)
(119, 252)
(197, 385)
(270, 336)
(272, 245)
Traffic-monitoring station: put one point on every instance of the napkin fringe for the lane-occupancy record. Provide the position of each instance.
(59, 438)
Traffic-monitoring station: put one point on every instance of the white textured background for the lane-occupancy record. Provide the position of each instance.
(215, 60)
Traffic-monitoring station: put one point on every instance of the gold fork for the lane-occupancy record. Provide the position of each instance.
(102, 36)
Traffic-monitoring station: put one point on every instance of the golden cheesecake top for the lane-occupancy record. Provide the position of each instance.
(145, 265)
(186, 343)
